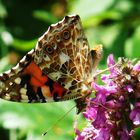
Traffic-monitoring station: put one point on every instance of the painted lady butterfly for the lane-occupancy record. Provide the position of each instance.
(59, 68)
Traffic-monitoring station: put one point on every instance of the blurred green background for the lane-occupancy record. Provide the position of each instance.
(115, 24)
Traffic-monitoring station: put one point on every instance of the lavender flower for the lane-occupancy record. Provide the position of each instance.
(115, 111)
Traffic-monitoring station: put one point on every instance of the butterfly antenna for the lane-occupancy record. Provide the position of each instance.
(61, 118)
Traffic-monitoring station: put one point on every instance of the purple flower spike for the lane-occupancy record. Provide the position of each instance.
(114, 112)
(110, 60)
(103, 134)
(105, 89)
(135, 116)
(110, 63)
(88, 133)
(124, 135)
(129, 88)
(100, 120)
(90, 113)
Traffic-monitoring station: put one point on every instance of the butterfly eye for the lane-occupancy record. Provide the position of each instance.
(57, 37)
(66, 34)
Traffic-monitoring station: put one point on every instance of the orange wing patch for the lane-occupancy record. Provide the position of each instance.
(37, 79)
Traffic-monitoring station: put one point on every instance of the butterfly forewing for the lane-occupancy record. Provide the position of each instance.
(65, 55)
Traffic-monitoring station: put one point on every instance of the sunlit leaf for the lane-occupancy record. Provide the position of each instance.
(23, 45)
(40, 117)
(132, 47)
(3, 12)
(94, 20)
(87, 8)
(44, 16)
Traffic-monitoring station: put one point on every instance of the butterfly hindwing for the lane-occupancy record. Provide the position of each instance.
(27, 83)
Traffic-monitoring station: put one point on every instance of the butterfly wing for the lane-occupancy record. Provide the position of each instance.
(60, 67)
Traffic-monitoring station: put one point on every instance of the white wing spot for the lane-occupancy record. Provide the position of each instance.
(7, 97)
(10, 83)
(23, 59)
(23, 91)
(2, 85)
(24, 97)
(55, 75)
(6, 88)
(63, 58)
(25, 86)
(16, 67)
(68, 85)
(18, 80)
(47, 58)
(7, 72)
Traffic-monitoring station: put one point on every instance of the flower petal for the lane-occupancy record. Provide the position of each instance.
(137, 66)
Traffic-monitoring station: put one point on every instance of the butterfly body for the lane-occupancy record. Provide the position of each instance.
(60, 67)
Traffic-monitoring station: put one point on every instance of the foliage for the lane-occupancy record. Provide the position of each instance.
(115, 24)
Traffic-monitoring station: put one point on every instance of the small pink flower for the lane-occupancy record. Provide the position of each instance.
(110, 63)
(135, 116)
(137, 66)
(129, 88)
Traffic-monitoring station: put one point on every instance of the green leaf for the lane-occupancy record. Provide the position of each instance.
(4, 63)
(39, 117)
(94, 20)
(87, 8)
(23, 45)
(132, 46)
(3, 12)
(45, 16)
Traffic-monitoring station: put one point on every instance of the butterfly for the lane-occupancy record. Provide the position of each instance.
(60, 67)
